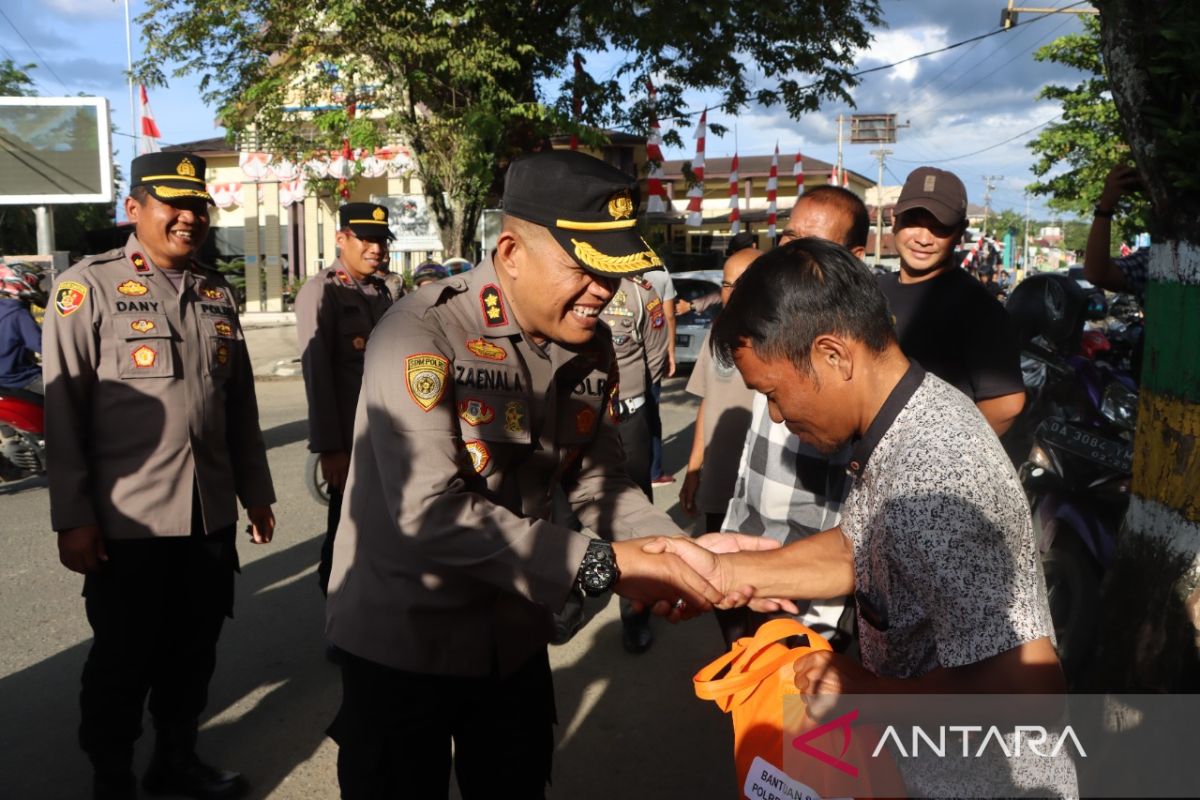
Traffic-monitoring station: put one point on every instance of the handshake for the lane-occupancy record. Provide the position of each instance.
(679, 578)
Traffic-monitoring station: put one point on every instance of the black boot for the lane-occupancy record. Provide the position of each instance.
(176, 769)
(113, 773)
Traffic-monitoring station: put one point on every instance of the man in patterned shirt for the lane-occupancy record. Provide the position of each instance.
(935, 539)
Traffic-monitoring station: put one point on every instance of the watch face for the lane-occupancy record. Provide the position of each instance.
(599, 578)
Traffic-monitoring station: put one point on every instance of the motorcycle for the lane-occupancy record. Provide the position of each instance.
(22, 438)
(1078, 429)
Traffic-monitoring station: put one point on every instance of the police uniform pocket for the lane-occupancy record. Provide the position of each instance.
(222, 344)
(145, 349)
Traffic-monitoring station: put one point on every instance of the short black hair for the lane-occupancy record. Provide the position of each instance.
(740, 241)
(797, 292)
(139, 193)
(847, 202)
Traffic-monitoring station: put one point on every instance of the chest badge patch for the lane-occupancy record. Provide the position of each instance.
(213, 294)
(479, 454)
(426, 379)
(222, 354)
(133, 288)
(585, 420)
(144, 357)
(475, 412)
(514, 416)
(493, 308)
(69, 298)
(142, 325)
(485, 349)
(139, 263)
(359, 343)
(223, 328)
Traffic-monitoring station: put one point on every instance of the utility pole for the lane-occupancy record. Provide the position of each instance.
(881, 154)
(988, 187)
(1008, 16)
(840, 172)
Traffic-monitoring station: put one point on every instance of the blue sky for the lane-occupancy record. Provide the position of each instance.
(957, 103)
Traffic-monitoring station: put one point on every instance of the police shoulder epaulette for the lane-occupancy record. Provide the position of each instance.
(116, 254)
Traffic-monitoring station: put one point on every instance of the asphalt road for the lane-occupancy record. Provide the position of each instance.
(629, 726)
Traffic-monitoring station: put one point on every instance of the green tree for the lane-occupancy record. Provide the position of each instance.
(463, 83)
(15, 80)
(1075, 155)
(1151, 51)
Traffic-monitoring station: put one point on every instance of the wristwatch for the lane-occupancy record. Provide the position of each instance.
(1103, 213)
(598, 571)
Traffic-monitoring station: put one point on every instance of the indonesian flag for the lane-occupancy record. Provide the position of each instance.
(772, 191)
(735, 216)
(343, 181)
(696, 193)
(845, 180)
(833, 175)
(656, 201)
(974, 251)
(798, 171)
(148, 141)
(1125, 250)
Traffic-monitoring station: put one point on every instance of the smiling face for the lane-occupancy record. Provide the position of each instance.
(171, 233)
(924, 243)
(362, 256)
(815, 406)
(553, 298)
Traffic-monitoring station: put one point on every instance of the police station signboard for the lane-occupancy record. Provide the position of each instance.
(55, 150)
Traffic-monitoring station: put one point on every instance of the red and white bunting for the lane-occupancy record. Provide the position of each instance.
(148, 141)
(656, 201)
(972, 253)
(845, 179)
(833, 175)
(696, 193)
(798, 172)
(772, 192)
(735, 216)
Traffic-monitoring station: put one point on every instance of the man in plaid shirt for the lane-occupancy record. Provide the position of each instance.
(785, 489)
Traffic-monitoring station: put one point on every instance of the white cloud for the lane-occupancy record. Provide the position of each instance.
(100, 9)
(890, 46)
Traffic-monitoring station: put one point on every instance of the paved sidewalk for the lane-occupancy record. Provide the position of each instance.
(271, 340)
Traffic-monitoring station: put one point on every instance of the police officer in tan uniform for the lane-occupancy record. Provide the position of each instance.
(483, 393)
(636, 318)
(336, 310)
(153, 438)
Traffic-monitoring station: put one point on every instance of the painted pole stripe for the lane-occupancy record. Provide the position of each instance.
(1175, 262)
(1152, 520)
(1166, 458)
(1172, 357)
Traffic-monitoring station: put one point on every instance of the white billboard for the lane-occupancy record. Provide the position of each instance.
(55, 150)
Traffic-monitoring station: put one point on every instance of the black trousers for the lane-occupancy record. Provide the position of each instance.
(394, 732)
(156, 609)
(635, 439)
(325, 567)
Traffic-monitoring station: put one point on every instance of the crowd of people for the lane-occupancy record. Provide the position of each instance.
(491, 442)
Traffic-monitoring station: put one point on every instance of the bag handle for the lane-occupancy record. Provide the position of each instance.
(736, 687)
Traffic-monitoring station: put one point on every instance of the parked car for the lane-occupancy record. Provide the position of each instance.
(691, 328)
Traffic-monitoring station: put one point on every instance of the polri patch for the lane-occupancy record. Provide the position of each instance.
(133, 288)
(479, 454)
(69, 298)
(475, 412)
(493, 307)
(426, 374)
(140, 264)
(142, 325)
(144, 357)
(485, 349)
(514, 416)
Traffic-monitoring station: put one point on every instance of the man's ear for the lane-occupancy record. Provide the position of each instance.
(835, 354)
(858, 252)
(132, 209)
(506, 249)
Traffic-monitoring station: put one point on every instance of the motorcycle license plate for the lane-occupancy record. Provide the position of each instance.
(1087, 444)
(682, 339)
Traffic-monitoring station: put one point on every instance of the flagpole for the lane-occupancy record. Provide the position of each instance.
(133, 126)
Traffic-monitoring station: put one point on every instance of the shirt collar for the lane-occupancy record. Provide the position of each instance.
(901, 393)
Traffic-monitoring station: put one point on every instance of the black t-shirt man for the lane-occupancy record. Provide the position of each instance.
(953, 327)
(945, 319)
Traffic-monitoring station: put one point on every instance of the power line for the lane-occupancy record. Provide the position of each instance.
(33, 49)
(991, 147)
(38, 84)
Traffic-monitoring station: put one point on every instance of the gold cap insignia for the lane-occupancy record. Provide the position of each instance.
(185, 169)
(620, 205)
(379, 214)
